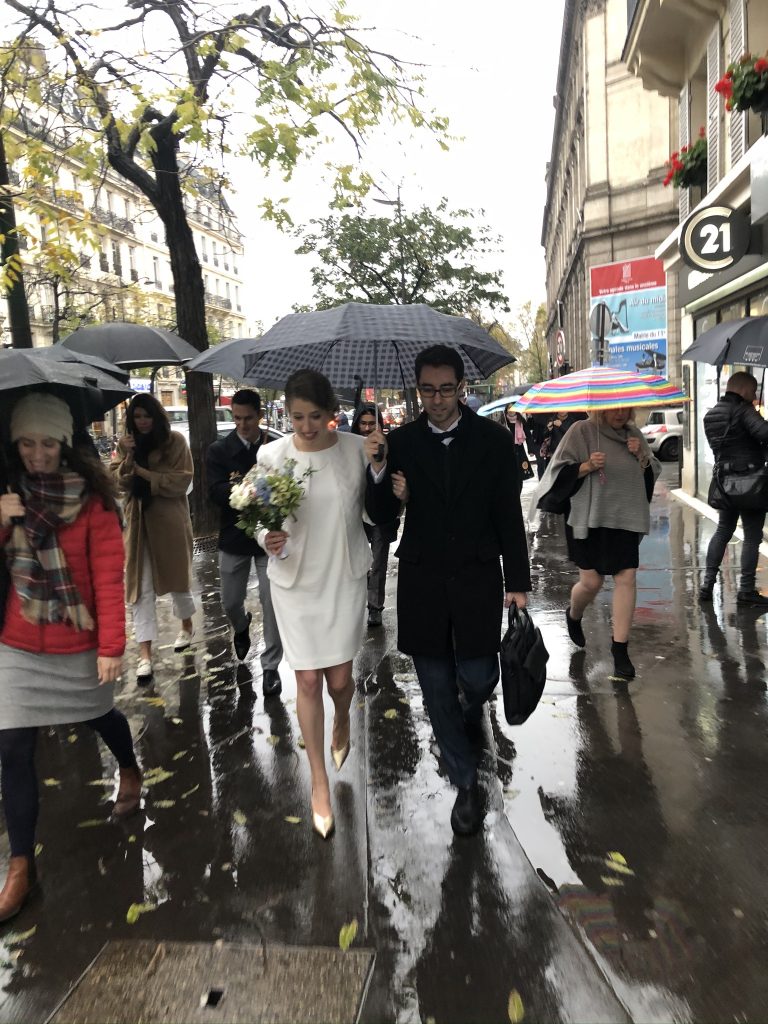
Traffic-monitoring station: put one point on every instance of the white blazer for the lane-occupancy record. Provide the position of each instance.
(350, 472)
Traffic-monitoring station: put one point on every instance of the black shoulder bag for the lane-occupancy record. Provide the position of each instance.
(741, 488)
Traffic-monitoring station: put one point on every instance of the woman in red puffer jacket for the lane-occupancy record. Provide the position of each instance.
(63, 636)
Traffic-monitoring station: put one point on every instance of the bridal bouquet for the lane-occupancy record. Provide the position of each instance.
(266, 498)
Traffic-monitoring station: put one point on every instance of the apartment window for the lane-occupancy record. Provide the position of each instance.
(237, 297)
(43, 233)
(153, 236)
(132, 263)
(156, 271)
(110, 201)
(226, 289)
(117, 262)
(160, 310)
(127, 208)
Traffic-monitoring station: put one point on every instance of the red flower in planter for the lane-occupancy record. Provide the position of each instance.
(686, 166)
(744, 85)
(761, 65)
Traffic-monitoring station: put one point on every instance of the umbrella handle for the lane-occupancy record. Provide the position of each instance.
(379, 456)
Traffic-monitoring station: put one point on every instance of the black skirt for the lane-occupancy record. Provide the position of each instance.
(604, 550)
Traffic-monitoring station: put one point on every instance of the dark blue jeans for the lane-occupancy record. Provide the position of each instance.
(753, 522)
(441, 681)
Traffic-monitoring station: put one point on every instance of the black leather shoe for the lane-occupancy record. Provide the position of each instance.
(467, 813)
(242, 640)
(753, 598)
(705, 593)
(575, 629)
(270, 683)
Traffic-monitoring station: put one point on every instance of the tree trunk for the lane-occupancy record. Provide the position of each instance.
(18, 308)
(190, 319)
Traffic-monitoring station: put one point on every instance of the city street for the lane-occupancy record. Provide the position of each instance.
(619, 875)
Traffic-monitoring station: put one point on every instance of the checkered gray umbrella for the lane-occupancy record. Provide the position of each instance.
(378, 343)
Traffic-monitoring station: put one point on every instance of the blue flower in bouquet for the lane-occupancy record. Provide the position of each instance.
(265, 498)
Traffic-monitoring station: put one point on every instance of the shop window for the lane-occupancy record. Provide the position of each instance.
(758, 304)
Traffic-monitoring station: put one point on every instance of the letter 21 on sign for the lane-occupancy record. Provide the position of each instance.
(714, 238)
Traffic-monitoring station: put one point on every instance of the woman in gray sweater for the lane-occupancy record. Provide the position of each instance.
(605, 468)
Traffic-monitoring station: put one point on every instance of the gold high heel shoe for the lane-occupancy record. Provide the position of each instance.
(323, 826)
(341, 755)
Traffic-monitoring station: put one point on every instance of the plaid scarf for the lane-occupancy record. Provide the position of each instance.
(36, 562)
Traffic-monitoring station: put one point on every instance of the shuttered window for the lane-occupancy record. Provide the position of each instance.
(684, 138)
(714, 73)
(738, 118)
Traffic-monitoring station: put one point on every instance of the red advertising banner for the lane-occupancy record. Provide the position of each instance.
(627, 276)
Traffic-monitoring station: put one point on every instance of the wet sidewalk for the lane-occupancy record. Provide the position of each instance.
(619, 874)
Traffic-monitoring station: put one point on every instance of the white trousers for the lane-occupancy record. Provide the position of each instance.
(144, 610)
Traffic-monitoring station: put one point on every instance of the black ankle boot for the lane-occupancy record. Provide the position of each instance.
(575, 629)
(622, 666)
(707, 586)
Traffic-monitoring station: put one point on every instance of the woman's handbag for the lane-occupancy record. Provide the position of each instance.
(526, 473)
(523, 666)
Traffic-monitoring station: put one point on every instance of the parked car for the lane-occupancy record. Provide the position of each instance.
(663, 430)
(179, 417)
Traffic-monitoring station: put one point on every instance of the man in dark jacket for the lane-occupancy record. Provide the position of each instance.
(738, 437)
(457, 473)
(227, 463)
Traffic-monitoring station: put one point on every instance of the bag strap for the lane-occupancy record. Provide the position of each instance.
(731, 418)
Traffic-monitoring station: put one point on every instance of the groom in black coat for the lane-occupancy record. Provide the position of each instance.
(463, 557)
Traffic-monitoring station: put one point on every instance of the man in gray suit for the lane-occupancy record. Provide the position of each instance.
(227, 463)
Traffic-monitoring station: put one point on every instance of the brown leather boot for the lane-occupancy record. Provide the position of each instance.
(19, 883)
(129, 793)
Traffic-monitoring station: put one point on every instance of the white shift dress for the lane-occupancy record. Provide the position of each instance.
(321, 617)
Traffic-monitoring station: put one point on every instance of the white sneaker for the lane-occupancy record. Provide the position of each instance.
(144, 669)
(183, 640)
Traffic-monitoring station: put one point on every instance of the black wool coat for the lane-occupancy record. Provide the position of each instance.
(463, 543)
(227, 463)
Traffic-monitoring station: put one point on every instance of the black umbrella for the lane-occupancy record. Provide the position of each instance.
(377, 343)
(59, 354)
(738, 342)
(89, 391)
(130, 345)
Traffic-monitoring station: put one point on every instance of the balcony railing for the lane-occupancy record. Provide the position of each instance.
(112, 219)
(220, 301)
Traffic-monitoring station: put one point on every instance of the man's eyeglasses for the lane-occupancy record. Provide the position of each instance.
(429, 390)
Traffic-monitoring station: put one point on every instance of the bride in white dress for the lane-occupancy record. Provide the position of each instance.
(319, 586)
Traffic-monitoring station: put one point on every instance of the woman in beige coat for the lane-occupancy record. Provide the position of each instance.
(154, 469)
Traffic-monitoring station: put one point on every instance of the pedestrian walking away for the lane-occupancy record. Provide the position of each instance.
(318, 572)
(738, 437)
(463, 557)
(63, 634)
(366, 420)
(554, 432)
(153, 467)
(227, 463)
(522, 433)
(604, 468)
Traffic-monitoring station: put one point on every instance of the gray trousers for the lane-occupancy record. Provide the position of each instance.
(377, 574)
(234, 571)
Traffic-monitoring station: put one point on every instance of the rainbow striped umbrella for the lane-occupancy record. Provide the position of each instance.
(599, 387)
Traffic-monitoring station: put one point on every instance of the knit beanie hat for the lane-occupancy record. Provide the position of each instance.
(39, 414)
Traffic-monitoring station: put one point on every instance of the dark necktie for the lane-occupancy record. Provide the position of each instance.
(444, 435)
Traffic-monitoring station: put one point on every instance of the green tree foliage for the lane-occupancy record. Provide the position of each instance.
(432, 256)
(159, 88)
(529, 330)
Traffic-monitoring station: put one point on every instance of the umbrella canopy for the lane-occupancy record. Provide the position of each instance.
(59, 354)
(131, 345)
(741, 342)
(502, 403)
(89, 391)
(377, 343)
(599, 387)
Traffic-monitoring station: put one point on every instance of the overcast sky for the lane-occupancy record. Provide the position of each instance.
(492, 71)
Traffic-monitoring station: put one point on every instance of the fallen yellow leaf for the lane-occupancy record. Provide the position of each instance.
(239, 818)
(391, 713)
(273, 740)
(607, 880)
(292, 819)
(515, 1008)
(137, 909)
(51, 782)
(347, 935)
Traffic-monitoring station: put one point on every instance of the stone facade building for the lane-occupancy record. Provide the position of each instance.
(605, 199)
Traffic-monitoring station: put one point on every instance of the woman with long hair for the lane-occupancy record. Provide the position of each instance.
(520, 430)
(153, 466)
(604, 467)
(318, 572)
(63, 635)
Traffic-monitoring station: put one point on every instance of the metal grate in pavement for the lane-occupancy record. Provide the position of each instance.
(157, 982)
